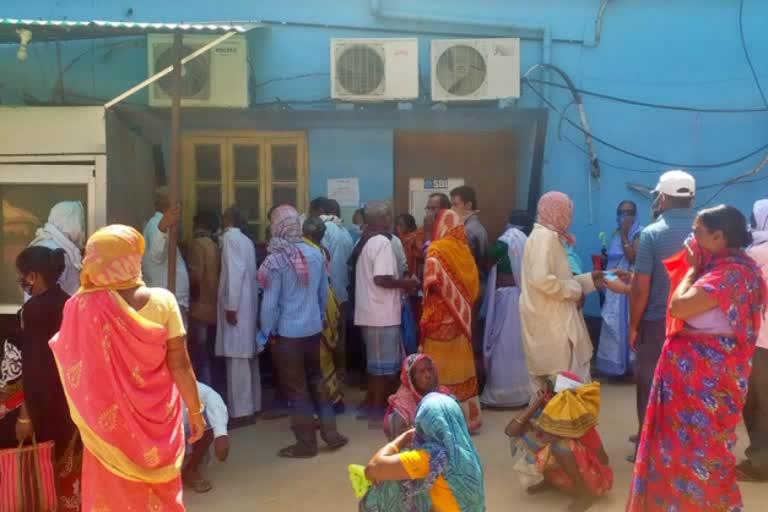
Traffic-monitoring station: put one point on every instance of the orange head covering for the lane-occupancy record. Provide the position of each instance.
(112, 259)
(555, 211)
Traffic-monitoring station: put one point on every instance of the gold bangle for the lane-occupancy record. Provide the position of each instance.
(23, 421)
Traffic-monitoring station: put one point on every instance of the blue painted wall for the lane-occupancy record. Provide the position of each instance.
(685, 52)
(363, 154)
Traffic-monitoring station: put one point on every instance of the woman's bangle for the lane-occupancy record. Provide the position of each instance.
(198, 413)
(519, 421)
(23, 421)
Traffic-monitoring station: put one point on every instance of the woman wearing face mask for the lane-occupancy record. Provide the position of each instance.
(684, 460)
(44, 413)
(613, 355)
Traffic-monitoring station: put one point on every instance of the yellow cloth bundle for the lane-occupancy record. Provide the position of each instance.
(571, 412)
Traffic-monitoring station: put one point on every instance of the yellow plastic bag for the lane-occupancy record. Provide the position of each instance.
(360, 484)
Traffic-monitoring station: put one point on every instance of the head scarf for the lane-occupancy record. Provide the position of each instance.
(285, 227)
(447, 221)
(760, 213)
(112, 259)
(442, 431)
(66, 227)
(555, 211)
(406, 400)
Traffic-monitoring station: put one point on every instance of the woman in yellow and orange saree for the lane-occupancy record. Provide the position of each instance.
(451, 286)
(122, 359)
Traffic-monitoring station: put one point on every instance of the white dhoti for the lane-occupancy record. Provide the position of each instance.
(237, 343)
(243, 386)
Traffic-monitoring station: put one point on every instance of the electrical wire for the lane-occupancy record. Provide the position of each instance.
(746, 53)
(639, 156)
(286, 78)
(661, 106)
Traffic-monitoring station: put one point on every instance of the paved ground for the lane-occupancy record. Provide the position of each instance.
(254, 479)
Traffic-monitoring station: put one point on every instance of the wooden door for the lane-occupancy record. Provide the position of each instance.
(487, 161)
(250, 170)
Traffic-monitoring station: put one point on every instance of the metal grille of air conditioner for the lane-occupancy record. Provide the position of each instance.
(360, 70)
(461, 70)
(195, 74)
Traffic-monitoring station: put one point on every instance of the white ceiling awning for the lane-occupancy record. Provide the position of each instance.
(65, 30)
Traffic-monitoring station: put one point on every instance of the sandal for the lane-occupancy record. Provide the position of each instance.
(297, 451)
(200, 486)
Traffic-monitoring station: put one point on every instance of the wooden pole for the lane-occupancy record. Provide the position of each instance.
(173, 175)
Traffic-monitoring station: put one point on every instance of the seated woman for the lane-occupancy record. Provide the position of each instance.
(557, 437)
(433, 467)
(418, 378)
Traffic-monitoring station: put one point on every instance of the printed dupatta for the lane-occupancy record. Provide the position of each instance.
(450, 276)
(121, 395)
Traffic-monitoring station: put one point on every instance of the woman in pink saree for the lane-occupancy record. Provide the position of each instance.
(122, 358)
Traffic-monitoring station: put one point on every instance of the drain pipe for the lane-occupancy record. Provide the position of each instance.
(378, 11)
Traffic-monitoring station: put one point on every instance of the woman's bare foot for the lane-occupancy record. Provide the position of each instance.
(582, 503)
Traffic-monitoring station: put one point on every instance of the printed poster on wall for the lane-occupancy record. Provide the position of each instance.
(344, 190)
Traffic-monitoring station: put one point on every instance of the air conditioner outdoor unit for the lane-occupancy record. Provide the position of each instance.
(369, 70)
(217, 78)
(475, 69)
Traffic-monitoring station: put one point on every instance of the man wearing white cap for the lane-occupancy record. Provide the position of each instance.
(650, 286)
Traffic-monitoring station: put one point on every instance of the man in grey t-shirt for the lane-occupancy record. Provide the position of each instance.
(650, 286)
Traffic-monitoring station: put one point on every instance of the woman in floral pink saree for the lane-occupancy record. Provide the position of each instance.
(122, 359)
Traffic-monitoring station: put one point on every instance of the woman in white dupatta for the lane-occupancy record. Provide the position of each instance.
(65, 230)
(508, 383)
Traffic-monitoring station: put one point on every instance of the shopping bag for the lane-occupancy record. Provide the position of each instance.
(27, 478)
(409, 329)
(360, 484)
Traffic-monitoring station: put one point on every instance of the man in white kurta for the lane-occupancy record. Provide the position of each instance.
(237, 309)
(555, 336)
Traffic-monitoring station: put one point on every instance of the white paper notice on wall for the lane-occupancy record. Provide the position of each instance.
(344, 190)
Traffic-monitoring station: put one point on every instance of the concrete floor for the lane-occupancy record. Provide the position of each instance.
(255, 479)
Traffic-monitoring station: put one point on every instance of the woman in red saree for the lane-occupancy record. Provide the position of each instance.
(122, 359)
(451, 286)
(684, 460)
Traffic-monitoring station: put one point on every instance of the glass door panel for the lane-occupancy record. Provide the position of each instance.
(246, 160)
(285, 162)
(208, 162)
(208, 199)
(24, 208)
(282, 194)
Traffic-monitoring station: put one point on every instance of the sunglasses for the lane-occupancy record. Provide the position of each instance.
(626, 212)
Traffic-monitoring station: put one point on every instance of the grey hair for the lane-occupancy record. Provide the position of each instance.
(314, 228)
(377, 211)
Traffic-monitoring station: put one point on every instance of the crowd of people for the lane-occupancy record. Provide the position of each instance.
(112, 369)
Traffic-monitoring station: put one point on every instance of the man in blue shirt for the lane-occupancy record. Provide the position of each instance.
(295, 284)
(650, 286)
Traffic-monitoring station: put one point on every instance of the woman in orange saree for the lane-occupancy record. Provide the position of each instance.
(451, 287)
(122, 359)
